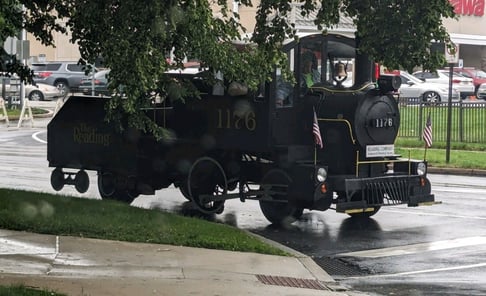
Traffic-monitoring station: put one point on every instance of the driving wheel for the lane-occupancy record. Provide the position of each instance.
(275, 207)
(109, 187)
(205, 183)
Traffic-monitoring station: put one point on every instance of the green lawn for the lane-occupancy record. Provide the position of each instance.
(16, 112)
(467, 134)
(19, 290)
(462, 155)
(104, 219)
(457, 158)
(468, 123)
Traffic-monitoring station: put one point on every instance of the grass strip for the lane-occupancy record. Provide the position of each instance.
(21, 290)
(466, 156)
(111, 220)
(17, 111)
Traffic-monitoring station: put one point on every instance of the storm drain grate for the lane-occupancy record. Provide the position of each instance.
(290, 282)
(336, 267)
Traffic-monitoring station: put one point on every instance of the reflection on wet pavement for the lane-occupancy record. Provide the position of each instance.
(26, 254)
(12, 246)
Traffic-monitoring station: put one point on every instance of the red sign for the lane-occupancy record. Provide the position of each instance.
(468, 7)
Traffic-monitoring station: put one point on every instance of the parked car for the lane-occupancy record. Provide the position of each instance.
(461, 83)
(481, 93)
(34, 92)
(412, 87)
(478, 76)
(97, 83)
(66, 76)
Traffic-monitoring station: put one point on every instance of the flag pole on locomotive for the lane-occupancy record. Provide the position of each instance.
(316, 132)
(427, 135)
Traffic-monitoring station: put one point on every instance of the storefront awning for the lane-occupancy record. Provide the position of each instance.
(468, 39)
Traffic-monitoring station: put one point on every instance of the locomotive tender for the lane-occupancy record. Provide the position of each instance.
(249, 145)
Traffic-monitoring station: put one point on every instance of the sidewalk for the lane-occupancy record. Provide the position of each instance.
(80, 266)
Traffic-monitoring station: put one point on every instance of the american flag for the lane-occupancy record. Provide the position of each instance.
(316, 131)
(427, 134)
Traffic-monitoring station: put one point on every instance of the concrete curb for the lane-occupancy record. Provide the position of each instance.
(103, 267)
(457, 171)
(320, 274)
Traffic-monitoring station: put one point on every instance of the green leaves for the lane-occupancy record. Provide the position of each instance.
(139, 41)
(395, 33)
(398, 33)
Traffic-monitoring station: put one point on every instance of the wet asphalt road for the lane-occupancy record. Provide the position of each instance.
(436, 250)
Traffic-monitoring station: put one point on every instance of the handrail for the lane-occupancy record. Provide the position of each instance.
(344, 121)
(344, 90)
(358, 162)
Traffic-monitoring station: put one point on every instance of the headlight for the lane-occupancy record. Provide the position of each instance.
(321, 174)
(421, 169)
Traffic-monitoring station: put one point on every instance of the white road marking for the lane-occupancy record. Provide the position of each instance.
(419, 248)
(417, 212)
(421, 271)
(36, 137)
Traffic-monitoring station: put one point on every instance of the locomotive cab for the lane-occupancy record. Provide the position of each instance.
(319, 65)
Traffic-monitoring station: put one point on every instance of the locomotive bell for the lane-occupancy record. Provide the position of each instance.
(340, 70)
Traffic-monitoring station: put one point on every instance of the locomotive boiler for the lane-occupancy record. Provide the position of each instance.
(322, 140)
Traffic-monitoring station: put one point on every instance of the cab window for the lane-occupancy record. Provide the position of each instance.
(284, 86)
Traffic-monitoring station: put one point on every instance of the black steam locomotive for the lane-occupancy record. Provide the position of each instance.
(324, 140)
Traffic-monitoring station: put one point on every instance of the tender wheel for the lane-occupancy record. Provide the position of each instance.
(110, 188)
(207, 181)
(36, 95)
(81, 181)
(431, 97)
(57, 179)
(278, 210)
(106, 184)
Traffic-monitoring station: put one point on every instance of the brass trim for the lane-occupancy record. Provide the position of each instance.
(381, 161)
(354, 211)
(341, 120)
(331, 90)
(409, 163)
(429, 203)
(409, 160)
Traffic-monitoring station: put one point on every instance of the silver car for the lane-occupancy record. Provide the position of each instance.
(33, 92)
(412, 87)
(462, 84)
(481, 94)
